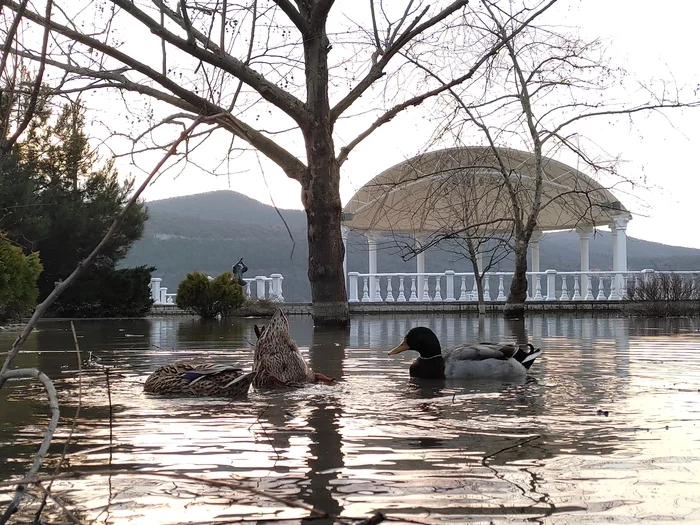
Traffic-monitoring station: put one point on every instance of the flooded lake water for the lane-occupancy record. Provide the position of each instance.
(606, 427)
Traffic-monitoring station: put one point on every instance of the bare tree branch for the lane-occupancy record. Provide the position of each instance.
(417, 100)
(377, 69)
(269, 91)
(31, 373)
(34, 97)
(294, 15)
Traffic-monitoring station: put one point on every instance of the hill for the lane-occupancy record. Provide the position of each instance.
(210, 231)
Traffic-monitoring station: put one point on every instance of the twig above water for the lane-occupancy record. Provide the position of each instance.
(485, 459)
(47, 490)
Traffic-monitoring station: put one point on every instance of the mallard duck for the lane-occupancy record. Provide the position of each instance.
(466, 360)
(184, 378)
(277, 360)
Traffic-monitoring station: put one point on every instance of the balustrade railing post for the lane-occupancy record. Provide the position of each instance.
(377, 288)
(413, 297)
(352, 277)
(401, 298)
(426, 289)
(474, 296)
(365, 290)
(487, 287)
(463, 289)
(389, 291)
(438, 292)
(577, 290)
(501, 289)
(551, 284)
(564, 292)
(538, 288)
(589, 287)
(450, 285)
(277, 287)
(615, 281)
(601, 288)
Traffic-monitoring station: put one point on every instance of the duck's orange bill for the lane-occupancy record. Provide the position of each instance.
(401, 348)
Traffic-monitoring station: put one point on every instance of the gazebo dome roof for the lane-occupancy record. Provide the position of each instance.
(451, 188)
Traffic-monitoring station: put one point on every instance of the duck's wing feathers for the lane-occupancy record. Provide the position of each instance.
(194, 375)
(479, 352)
(489, 359)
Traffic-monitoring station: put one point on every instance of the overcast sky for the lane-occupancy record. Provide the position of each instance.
(653, 40)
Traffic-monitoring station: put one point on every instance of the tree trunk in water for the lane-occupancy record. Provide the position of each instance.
(480, 293)
(321, 187)
(515, 306)
(321, 198)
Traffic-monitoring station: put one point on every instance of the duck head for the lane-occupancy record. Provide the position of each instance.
(430, 364)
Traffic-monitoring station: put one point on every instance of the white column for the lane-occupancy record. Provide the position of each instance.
(480, 261)
(352, 288)
(372, 245)
(620, 223)
(420, 266)
(450, 285)
(277, 287)
(344, 230)
(155, 289)
(260, 286)
(584, 234)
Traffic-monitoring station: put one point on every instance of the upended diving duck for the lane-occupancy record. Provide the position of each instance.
(469, 360)
(188, 378)
(277, 360)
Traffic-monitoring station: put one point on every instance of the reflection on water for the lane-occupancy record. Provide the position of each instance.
(539, 449)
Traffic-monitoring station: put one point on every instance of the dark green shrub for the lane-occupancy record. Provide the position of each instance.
(104, 292)
(18, 280)
(209, 298)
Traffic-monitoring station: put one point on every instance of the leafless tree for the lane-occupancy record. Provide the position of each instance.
(298, 68)
(465, 205)
(534, 95)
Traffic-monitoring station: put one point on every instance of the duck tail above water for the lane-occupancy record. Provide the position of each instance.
(526, 355)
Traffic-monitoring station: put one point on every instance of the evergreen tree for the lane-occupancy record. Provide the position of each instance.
(57, 200)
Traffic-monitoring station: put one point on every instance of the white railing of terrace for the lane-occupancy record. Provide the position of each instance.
(449, 286)
(265, 288)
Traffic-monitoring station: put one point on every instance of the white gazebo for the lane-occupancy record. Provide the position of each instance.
(431, 193)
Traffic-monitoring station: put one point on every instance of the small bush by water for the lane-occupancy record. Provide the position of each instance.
(209, 298)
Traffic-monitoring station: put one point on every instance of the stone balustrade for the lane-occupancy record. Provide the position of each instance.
(448, 286)
(258, 287)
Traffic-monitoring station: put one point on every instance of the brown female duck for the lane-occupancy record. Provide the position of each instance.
(184, 378)
(277, 360)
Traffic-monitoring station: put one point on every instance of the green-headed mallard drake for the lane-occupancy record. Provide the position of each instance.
(184, 378)
(277, 360)
(485, 360)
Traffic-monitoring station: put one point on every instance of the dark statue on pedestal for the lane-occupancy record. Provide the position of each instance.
(238, 270)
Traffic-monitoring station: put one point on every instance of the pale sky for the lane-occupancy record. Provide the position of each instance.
(652, 40)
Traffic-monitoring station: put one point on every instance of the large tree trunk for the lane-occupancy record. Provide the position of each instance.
(515, 306)
(321, 187)
(326, 250)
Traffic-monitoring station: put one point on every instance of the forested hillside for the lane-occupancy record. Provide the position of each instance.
(210, 231)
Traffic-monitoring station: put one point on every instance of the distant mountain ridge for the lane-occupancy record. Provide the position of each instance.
(210, 231)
